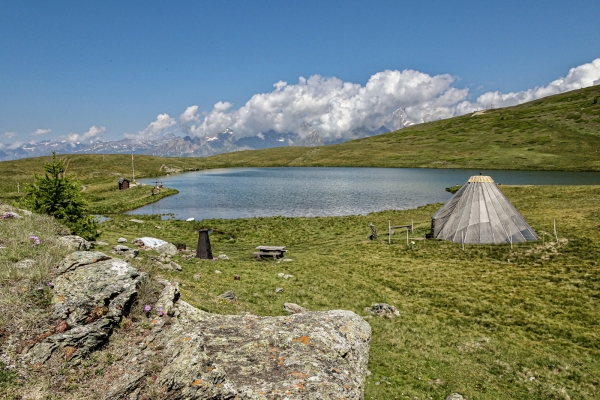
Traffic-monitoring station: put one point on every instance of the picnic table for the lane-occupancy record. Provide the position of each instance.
(270, 251)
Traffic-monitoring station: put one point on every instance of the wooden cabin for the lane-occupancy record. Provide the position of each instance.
(123, 184)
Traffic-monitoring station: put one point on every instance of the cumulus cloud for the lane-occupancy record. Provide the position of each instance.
(336, 109)
(10, 135)
(160, 126)
(92, 134)
(39, 132)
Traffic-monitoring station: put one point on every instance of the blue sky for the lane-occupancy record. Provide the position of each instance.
(68, 66)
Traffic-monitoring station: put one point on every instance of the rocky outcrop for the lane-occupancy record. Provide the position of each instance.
(192, 354)
(91, 293)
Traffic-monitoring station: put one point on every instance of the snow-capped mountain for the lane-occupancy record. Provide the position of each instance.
(170, 145)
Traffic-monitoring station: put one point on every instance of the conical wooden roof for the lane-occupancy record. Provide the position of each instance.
(480, 213)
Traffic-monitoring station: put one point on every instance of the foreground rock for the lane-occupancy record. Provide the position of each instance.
(312, 355)
(192, 354)
(91, 292)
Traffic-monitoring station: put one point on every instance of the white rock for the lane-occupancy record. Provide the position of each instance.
(168, 248)
(25, 264)
(189, 220)
(121, 240)
(217, 272)
(223, 257)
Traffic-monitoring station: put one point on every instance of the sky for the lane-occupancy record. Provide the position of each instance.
(83, 71)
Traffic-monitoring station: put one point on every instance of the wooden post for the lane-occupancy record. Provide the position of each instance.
(555, 235)
(132, 170)
(389, 232)
(18, 187)
(510, 237)
(407, 237)
(463, 241)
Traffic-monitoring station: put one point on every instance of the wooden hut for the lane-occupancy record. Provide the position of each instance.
(123, 184)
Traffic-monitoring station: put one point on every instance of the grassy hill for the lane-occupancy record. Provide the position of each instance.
(560, 132)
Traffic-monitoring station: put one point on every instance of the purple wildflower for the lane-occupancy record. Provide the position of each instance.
(40, 288)
(9, 215)
(51, 284)
(160, 312)
(147, 308)
(36, 240)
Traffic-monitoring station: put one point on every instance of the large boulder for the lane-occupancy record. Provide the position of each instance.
(91, 292)
(310, 355)
(191, 354)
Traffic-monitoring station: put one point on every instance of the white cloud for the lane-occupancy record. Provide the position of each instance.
(93, 133)
(10, 134)
(15, 145)
(158, 127)
(337, 109)
(39, 132)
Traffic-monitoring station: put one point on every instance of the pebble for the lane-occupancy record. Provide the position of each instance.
(278, 290)
(121, 240)
(197, 277)
(217, 272)
(223, 257)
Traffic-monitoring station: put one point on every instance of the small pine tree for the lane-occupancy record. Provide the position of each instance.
(58, 195)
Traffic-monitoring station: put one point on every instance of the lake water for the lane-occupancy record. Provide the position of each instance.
(308, 192)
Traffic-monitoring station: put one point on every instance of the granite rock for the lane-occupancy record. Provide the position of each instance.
(167, 248)
(311, 355)
(74, 243)
(91, 292)
(190, 354)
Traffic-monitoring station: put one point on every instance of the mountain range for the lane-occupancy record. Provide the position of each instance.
(170, 145)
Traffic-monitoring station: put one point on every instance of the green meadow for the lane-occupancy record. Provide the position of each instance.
(486, 321)
(489, 322)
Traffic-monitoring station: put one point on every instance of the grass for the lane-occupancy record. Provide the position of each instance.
(471, 321)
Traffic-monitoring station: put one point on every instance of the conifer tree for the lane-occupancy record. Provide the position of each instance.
(58, 195)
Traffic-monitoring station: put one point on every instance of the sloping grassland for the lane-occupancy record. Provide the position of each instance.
(560, 132)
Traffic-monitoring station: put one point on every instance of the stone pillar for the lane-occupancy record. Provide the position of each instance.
(203, 250)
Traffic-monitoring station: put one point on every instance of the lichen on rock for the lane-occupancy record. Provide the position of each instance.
(191, 354)
(91, 292)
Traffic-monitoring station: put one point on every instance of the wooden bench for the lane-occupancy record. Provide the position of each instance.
(270, 251)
